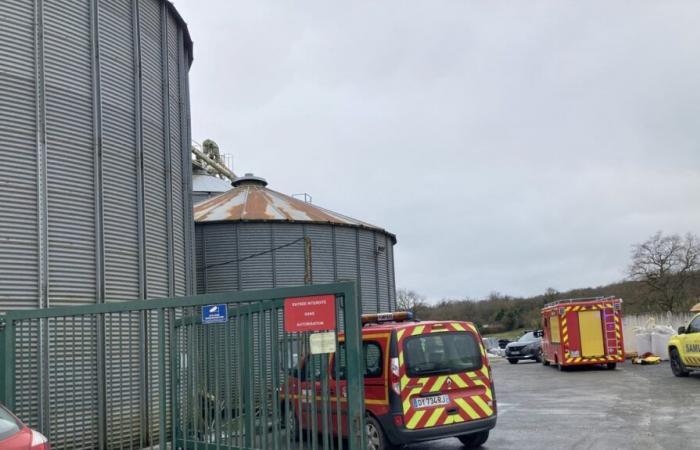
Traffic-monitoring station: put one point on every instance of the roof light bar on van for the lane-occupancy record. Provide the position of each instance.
(398, 316)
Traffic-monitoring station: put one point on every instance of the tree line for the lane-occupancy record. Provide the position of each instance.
(663, 275)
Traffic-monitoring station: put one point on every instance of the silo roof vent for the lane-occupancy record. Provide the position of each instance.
(249, 179)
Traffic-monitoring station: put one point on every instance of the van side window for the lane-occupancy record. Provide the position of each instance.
(694, 326)
(312, 368)
(372, 360)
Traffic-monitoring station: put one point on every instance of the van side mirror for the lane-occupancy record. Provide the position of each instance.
(681, 330)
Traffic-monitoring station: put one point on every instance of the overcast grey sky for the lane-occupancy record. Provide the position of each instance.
(510, 146)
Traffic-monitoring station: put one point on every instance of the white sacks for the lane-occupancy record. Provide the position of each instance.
(653, 339)
(643, 339)
(659, 341)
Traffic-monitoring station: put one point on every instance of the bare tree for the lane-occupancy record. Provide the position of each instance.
(550, 295)
(665, 264)
(407, 300)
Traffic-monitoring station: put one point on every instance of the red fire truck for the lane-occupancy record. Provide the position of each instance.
(585, 331)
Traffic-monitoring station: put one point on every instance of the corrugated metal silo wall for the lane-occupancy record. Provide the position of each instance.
(94, 124)
(226, 258)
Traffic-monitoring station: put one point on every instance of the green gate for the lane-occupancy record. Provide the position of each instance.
(153, 373)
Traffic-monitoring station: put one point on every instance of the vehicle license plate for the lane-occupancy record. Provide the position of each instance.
(515, 352)
(434, 400)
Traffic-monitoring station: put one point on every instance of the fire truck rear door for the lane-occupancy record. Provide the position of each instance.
(591, 330)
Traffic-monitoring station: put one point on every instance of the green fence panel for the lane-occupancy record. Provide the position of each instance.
(152, 373)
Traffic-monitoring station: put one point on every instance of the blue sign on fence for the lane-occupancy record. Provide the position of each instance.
(214, 314)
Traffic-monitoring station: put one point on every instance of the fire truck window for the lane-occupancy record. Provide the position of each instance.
(441, 353)
(554, 337)
(372, 360)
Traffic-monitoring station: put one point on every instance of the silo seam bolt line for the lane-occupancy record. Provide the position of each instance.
(255, 255)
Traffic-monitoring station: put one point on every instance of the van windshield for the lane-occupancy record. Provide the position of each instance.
(441, 353)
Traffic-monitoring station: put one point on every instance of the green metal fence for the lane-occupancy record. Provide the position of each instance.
(150, 373)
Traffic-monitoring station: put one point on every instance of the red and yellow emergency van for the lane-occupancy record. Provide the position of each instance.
(584, 331)
(423, 381)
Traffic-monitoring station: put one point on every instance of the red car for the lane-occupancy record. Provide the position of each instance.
(14, 435)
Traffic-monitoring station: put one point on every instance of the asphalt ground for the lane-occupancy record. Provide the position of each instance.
(633, 407)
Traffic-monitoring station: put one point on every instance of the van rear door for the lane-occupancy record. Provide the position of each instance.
(445, 376)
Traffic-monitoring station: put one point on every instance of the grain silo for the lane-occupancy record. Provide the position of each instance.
(96, 202)
(252, 237)
(94, 128)
(206, 186)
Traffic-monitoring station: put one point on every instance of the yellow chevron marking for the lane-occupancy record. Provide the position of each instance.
(434, 417)
(458, 326)
(400, 333)
(401, 358)
(564, 330)
(414, 420)
(485, 371)
(567, 309)
(418, 330)
(414, 391)
(578, 359)
(466, 408)
(458, 381)
(438, 384)
(576, 308)
(482, 404)
(568, 360)
(407, 403)
(453, 418)
(486, 388)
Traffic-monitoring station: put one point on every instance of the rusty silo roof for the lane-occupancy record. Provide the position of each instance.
(251, 201)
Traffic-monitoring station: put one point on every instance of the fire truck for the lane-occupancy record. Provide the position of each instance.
(586, 331)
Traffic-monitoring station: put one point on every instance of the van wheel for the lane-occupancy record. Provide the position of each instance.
(376, 439)
(538, 356)
(611, 366)
(677, 366)
(512, 360)
(476, 440)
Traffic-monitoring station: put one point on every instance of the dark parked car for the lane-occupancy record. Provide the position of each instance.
(528, 346)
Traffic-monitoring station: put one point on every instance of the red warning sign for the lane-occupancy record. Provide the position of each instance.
(312, 313)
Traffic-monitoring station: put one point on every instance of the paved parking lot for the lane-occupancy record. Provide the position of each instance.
(633, 407)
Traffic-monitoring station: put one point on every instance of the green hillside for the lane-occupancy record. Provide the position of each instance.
(502, 313)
